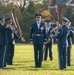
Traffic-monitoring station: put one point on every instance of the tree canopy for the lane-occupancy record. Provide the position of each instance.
(27, 16)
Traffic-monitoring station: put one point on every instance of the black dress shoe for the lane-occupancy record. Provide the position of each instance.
(36, 66)
(9, 64)
(51, 59)
(45, 59)
(1, 67)
(39, 67)
(68, 65)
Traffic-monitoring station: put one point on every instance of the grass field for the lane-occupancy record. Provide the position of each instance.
(24, 63)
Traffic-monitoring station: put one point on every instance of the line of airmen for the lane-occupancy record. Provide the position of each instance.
(7, 38)
(40, 33)
(43, 34)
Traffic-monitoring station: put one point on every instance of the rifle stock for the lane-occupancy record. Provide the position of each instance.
(16, 24)
(19, 28)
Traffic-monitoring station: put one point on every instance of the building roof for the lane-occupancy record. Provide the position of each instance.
(70, 3)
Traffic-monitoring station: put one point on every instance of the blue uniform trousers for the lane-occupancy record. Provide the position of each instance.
(2, 56)
(48, 47)
(62, 57)
(68, 56)
(38, 53)
(10, 53)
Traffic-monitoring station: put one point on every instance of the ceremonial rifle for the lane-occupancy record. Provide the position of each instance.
(16, 24)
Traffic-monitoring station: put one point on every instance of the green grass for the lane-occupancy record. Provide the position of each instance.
(24, 63)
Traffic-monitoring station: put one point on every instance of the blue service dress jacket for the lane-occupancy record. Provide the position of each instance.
(3, 30)
(62, 36)
(11, 36)
(38, 36)
(70, 35)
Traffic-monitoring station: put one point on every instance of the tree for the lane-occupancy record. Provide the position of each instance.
(28, 17)
(70, 14)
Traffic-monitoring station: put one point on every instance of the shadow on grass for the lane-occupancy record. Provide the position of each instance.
(28, 68)
(8, 68)
(24, 61)
(32, 68)
(24, 67)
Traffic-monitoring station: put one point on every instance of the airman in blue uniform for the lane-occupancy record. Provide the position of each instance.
(38, 38)
(49, 44)
(62, 43)
(3, 42)
(10, 41)
(69, 41)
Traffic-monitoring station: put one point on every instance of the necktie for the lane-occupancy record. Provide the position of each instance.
(38, 25)
(47, 30)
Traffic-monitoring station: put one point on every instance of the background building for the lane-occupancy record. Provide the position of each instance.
(61, 9)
